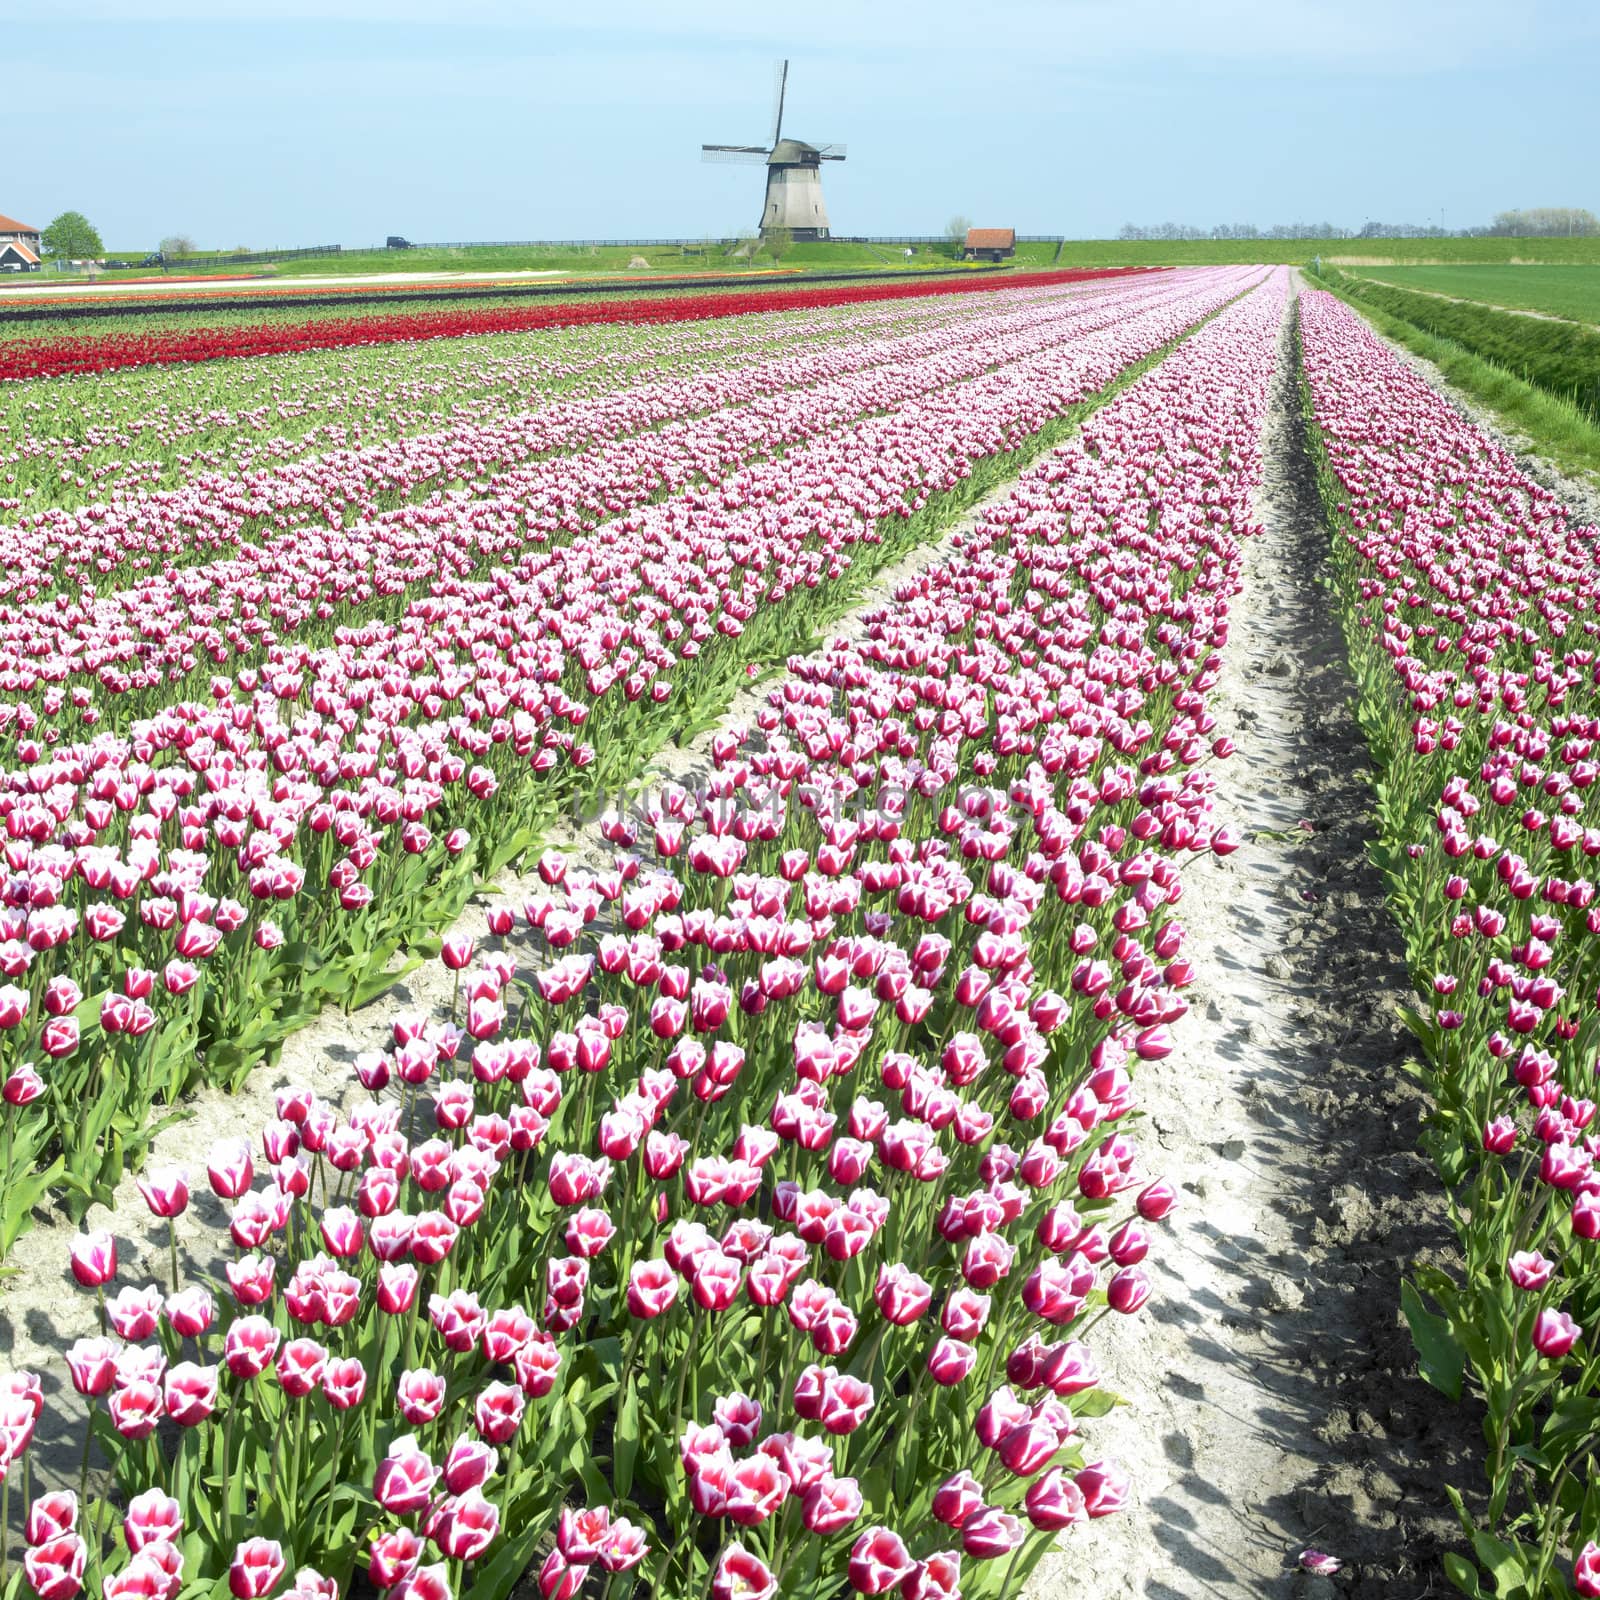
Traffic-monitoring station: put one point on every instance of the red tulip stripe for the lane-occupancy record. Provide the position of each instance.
(46, 358)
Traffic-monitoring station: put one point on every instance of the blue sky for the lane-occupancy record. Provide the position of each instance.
(310, 121)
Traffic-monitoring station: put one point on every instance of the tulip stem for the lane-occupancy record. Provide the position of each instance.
(227, 1456)
(172, 1245)
(909, 1427)
(1005, 1586)
(684, 1545)
(333, 1483)
(83, 1471)
(761, 1354)
(683, 1374)
(299, 1460)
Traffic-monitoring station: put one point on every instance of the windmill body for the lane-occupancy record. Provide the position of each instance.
(794, 175)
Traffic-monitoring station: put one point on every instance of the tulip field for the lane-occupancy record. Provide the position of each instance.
(27, 355)
(1469, 595)
(752, 1219)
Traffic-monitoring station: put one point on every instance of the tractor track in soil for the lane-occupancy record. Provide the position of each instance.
(1275, 1403)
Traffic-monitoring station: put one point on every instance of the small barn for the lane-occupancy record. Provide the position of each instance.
(990, 244)
(19, 246)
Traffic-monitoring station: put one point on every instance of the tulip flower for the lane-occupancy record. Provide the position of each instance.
(1105, 1488)
(738, 1575)
(54, 1567)
(1554, 1334)
(94, 1258)
(879, 1561)
(255, 1570)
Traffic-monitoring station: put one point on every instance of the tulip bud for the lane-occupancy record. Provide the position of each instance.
(256, 1568)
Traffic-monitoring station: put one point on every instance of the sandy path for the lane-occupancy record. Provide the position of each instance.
(1273, 1397)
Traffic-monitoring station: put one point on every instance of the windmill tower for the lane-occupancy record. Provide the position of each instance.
(794, 174)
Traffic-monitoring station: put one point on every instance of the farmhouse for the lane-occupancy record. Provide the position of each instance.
(19, 246)
(990, 244)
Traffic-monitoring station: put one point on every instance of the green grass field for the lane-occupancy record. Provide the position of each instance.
(830, 255)
(1075, 253)
(1572, 292)
(663, 259)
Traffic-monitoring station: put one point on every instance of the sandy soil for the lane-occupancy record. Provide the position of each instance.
(1273, 1397)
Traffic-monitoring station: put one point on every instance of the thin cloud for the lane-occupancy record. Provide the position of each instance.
(1390, 36)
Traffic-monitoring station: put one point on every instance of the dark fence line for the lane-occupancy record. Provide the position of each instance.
(251, 258)
(561, 244)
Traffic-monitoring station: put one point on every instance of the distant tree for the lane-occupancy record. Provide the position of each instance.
(175, 244)
(1542, 222)
(955, 230)
(71, 237)
(777, 242)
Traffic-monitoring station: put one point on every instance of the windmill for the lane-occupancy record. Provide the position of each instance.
(794, 174)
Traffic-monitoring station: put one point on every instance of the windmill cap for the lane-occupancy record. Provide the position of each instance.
(793, 152)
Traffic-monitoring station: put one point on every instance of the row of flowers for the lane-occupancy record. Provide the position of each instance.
(73, 445)
(45, 358)
(180, 896)
(1470, 596)
(742, 1231)
(539, 474)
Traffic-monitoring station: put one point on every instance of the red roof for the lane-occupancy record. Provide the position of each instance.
(11, 225)
(8, 245)
(991, 238)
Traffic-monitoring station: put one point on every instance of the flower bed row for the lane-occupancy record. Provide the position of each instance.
(210, 425)
(361, 526)
(746, 1240)
(28, 358)
(1469, 598)
(184, 894)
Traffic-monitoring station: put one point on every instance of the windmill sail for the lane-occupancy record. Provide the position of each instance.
(777, 116)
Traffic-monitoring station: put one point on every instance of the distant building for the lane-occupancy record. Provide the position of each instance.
(990, 244)
(19, 246)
